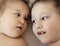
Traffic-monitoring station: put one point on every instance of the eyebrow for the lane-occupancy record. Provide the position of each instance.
(40, 15)
(18, 10)
(44, 13)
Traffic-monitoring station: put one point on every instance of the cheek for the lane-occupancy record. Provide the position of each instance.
(52, 30)
(49, 27)
(34, 29)
(24, 26)
(9, 23)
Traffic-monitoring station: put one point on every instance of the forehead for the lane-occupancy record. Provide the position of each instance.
(41, 7)
(18, 6)
(16, 3)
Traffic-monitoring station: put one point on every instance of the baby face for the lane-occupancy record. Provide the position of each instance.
(46, 22)
(14, 19)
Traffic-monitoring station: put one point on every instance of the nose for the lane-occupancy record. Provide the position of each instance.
(21, 20)
(39, 25)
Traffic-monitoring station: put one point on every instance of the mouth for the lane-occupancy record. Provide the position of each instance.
(41, 33)
(19, 27)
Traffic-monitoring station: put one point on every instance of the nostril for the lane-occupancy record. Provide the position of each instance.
(39, 27)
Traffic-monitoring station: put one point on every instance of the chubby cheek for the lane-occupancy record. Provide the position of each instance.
(53, 28)
(8, 24)
(14, 24)
(24, 27)
(11, 24)
(53, 31)
(34, 29)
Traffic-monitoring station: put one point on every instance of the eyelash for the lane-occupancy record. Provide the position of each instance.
(33, 21)
(26, 19)
(44, 17)
(17, 14)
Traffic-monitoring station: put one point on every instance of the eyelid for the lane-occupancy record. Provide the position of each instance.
(18, 14)
(26, 18)
(44, 17)
(34, 21)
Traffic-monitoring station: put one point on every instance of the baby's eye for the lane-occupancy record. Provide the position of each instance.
(33, 21)
(26, 19)
(44, 17)
(18, 14)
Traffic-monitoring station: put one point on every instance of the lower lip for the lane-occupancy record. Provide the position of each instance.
(19, 29)
(41, 33)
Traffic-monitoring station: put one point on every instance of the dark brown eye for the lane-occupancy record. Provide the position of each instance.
(18, 14)
(26, 19)
(44, 17)
(33, 21)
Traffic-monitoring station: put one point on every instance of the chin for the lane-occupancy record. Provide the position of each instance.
(46, 41)
(16, 36)
(13, 35)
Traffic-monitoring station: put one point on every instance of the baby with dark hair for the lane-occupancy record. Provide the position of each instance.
(46, 21)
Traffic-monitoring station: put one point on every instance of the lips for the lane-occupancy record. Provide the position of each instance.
(19, 27)
(41, 33)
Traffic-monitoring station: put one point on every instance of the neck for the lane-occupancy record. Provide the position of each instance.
(11, 41)
(3, 36)
(57, 43)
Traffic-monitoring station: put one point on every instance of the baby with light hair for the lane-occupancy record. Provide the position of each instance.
(13, 22)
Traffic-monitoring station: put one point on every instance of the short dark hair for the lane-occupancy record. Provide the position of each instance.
(56, 3)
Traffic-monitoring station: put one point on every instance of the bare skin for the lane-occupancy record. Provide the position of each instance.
(46, 23)
(6, 41)
(13, 23)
